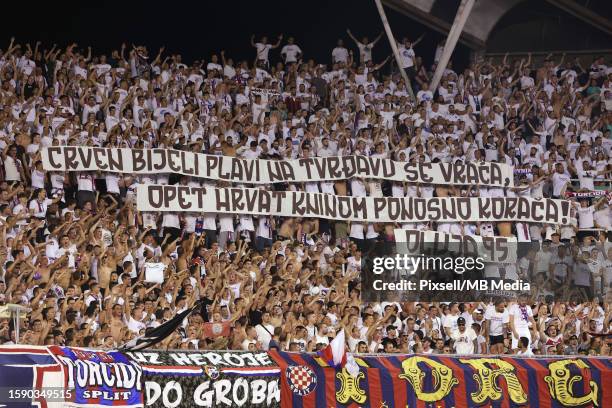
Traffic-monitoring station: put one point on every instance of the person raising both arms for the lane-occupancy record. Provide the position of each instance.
(365, 46)
(263, 48)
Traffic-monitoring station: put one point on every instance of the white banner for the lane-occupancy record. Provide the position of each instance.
(260, 171)
(490, 249)
(176, 198)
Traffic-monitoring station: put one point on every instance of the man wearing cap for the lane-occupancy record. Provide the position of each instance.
(464, 338)
(478, 316)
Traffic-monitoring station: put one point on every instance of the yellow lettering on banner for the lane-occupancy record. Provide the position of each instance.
(349, 388)
(442, 375)
(486, 377)
(560, 382)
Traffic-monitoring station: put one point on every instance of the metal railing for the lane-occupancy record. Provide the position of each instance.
(603, 51)
(597, 182)
(586, 57)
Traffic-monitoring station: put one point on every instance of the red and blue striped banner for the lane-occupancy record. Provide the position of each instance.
(307, 380)
(424, 381)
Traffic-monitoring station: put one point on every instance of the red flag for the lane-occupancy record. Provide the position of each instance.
(214, 330)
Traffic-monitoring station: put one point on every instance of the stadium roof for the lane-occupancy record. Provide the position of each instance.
(485, 16)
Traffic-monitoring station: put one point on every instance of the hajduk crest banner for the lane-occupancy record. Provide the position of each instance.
(254, 201)
(260, 379)
(445, 381)
(260, 171)
(99, 378)
(208, 378)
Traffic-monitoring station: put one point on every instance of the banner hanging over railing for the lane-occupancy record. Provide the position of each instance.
(208, 378)
(437, 380)
(99, 378)
(260, 171)
(31, 377)
(279, 379)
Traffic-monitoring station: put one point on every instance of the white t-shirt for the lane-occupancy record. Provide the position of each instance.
(559, 181)
(522, 231)
(246, 223)
(262, 51)
(521, 316)
(607, 273)
(229, 71)
(497, 320)
(226, 223)
(38, 179)
(586, 179)
(353, 264)
(212, 65)
(585, 217)
(527, 353)
(424, 95)
(11, 169)
(407, 55)
(264, 228)
(263, 335)
(86, 182)
(171, 220)
(135, 326)
(57, 181)
(290, 51)
(450, 321)
(602, 218)
(340, 54)
(112, 183)
(365, 51)
(527, 82)
(464, 342)
(154, 270)
(356, 231)
(39, 208)
(358, 188)
(567, 231)
(21, 210)
(209, 221)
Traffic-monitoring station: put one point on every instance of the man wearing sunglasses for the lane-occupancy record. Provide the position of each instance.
(464, 338)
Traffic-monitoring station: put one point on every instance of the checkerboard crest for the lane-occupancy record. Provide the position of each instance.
(302, 380)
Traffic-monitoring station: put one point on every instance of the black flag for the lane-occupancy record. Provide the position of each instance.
(154, 335)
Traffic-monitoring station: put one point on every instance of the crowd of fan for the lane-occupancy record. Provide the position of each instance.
(74, 248)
